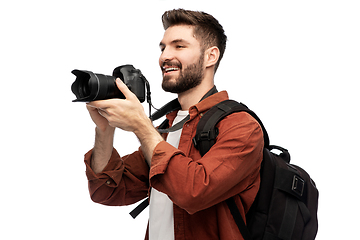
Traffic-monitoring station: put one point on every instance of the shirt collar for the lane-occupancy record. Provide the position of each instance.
(210, 101)
(203, 106)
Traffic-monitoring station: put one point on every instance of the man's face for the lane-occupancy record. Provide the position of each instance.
(181, 59)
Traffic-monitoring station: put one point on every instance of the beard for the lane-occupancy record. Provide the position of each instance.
(188, 78)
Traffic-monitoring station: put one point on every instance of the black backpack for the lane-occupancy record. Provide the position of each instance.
(286, 205)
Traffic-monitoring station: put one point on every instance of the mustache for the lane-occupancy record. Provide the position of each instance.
(171, 64)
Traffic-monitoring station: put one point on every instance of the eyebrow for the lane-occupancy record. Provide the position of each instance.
(180, 40)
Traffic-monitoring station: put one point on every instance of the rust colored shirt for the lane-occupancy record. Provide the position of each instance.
(198, 186)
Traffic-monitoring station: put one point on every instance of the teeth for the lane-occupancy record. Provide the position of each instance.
(171, 69)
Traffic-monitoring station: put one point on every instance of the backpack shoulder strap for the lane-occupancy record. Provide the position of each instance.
(205, 137)
(207, 132)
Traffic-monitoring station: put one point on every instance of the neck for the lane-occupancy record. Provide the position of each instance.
(194, 95)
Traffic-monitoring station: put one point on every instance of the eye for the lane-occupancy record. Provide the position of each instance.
(180, 46)
(162, 47)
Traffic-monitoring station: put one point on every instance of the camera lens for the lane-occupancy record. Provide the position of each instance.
(89, 86)
(84, 89)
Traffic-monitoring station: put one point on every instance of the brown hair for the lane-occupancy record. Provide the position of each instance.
(206, 28)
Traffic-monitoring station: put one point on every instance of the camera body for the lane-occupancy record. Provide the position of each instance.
(89, 86)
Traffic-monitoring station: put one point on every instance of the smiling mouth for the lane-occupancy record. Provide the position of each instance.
(169, 69)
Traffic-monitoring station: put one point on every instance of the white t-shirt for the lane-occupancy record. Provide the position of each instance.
(161, 215)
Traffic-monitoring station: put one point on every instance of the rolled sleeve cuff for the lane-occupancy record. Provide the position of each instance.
(110, 171)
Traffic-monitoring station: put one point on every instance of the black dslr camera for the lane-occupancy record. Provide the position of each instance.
(90, 86)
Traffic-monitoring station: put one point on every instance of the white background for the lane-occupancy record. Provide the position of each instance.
(295, 63)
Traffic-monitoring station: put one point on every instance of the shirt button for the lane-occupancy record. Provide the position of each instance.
(108, 182)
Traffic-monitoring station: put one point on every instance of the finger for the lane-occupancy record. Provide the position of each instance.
(103, 113)
(124, 89)
(96, 109)
(90, 107)
(100, 104)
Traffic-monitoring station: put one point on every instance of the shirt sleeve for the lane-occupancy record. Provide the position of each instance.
(122, 182)
(230, 167)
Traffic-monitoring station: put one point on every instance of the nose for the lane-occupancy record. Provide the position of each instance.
(166, 56)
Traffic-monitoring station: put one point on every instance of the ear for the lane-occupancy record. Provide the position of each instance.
(211, 56)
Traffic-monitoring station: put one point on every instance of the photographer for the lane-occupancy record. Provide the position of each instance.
(187, 191)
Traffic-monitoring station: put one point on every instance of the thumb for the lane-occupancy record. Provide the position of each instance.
(124, 89)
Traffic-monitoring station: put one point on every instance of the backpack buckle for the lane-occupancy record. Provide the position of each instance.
(298, 185)
(201, 137)
(205, 136)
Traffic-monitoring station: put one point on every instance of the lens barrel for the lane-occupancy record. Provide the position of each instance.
(89, 86)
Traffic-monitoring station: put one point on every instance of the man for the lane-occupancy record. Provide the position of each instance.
(187, 191)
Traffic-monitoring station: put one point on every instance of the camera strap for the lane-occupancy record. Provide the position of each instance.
(173, 106)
